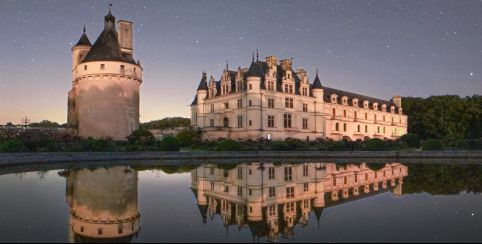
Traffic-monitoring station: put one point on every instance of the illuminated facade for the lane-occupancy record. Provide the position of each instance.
(272, 101)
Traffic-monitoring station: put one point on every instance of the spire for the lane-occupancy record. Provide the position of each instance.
(109, 19)
(257, 55)
(253, 57)
(84, 40)
(203, 84)
(317, 82)
(227, 65)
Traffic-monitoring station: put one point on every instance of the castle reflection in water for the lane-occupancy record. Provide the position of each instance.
(269, 199)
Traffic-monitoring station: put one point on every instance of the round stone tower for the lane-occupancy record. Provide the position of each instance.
(104, 99)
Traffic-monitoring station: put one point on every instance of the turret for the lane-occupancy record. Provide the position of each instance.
(202, 89)
(318, 93)
(80, 50)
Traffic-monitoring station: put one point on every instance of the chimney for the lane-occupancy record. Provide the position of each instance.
(398, 101)
(125, 36)
(271, 61)
(286, 64)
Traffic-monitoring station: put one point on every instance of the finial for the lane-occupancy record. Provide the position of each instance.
(84, 28)
(227, 65)
(257, 55)
(110, 6)
(253, 57)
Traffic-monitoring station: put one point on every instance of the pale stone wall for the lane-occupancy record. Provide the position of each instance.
(106, 99)
(210, 113)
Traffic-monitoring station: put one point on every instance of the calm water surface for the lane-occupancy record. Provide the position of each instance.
(310, 202)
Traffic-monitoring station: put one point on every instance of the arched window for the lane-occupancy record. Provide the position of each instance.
(226, 122)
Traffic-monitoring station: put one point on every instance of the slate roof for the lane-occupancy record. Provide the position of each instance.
(260, 68)
(84, 40)
(107, 47)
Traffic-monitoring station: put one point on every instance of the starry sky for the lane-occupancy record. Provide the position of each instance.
(376, 48)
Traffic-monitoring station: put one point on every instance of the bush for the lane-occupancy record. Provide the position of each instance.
(411, 139)
(295, 144)
(278, 146)
(169, 144)
(374, 144)
(187, 137)
(431, 145)
(141, 136)
(228, 145)
(12, 145)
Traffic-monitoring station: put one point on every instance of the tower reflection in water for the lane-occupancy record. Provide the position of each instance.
(103, 204)
(271, 199)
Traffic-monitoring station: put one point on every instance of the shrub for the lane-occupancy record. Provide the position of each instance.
(141, 136)
(411, 139)
(12, 145)
(228, 145)
(432, 144)
(278, 146)
(374, 144)
(295, 144)
(187, 137)
(169, 144)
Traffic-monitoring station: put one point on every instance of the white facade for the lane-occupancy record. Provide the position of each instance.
(271, 100)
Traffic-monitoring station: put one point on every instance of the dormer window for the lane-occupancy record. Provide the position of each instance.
(400, 110)
(384, 107)
(355, 102)
(375, 106)
(345, 100)
(333, 98)
(365, 104)
(392, 109)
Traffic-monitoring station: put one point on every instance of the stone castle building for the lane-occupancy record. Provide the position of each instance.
(271, 199)
(272, 101)
(104, 99)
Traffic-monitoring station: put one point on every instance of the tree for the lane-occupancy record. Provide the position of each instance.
(187, 137)
(167, 123)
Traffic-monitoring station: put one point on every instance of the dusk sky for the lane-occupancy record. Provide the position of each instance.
(376, 48)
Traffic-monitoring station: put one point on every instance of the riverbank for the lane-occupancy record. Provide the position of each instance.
(7, 159)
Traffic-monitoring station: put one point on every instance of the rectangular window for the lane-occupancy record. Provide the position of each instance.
(287, 120)
(286, 88)
(305, 124)
(270, 121)
(240, 191)
(212, 108)
(240, 173)
(291, 89)
(306, 187)
(240, 103)
(306, 204)
(288, 174)
(211, 171)
(290, 192)
(122, 68)
(211, 122)
(240, 121)
(250, 86)
(250, 103)
(305, 91)
(102, 66)
(305, 107)
(85, 67)
(212, 186)
(288, 102)
(354, 115)
(305, 170)
(290, 207)
(250, 192)
(272, 192)
(271, 173)
(270, 103)
(226, 105)
(272, 210)
(226, 189)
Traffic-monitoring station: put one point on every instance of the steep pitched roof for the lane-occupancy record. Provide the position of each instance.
(316, 82)
(107, 47)
(203, 84)
(329, 91)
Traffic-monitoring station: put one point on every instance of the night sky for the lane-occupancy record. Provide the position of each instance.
(376, 48)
